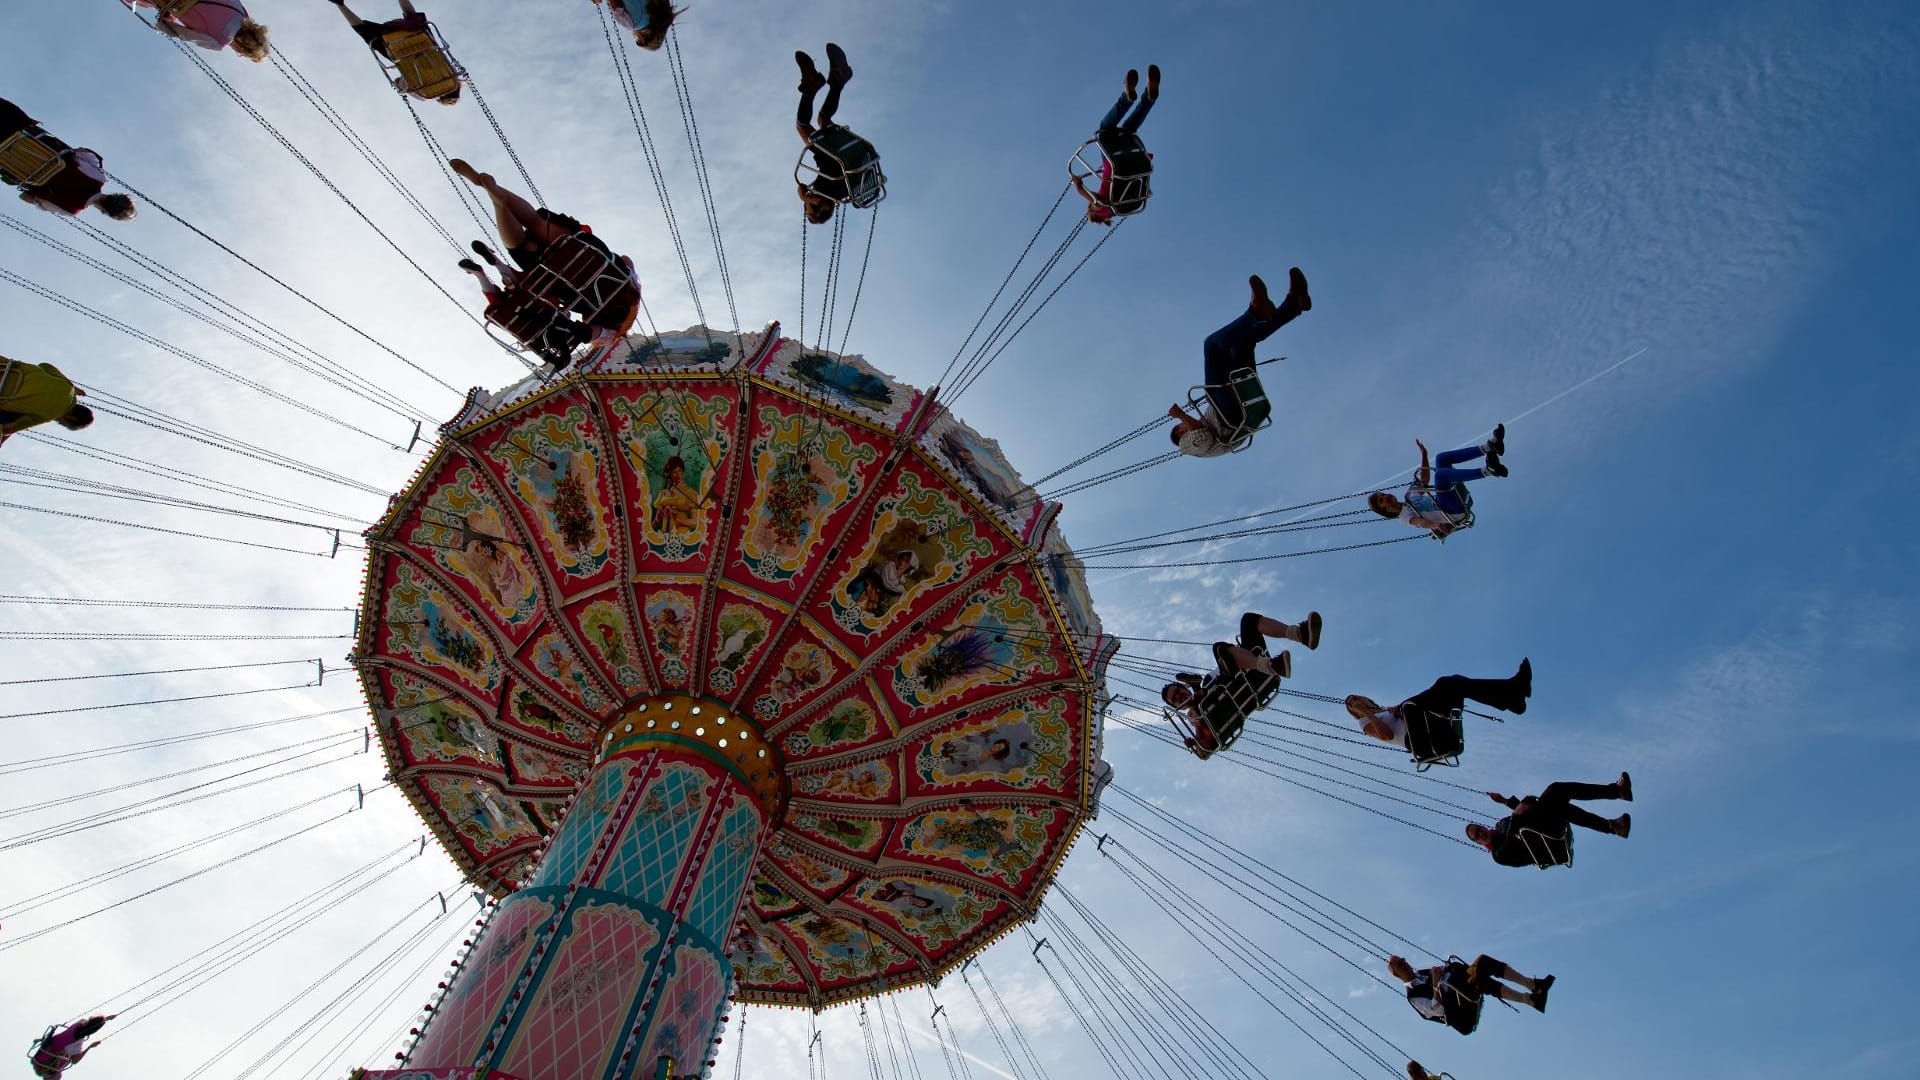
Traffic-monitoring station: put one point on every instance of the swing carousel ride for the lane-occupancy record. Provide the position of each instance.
(726, 668)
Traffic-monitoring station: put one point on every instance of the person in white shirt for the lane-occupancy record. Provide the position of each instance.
(1449, 692)
(1450, 993)
(1437, 501)
(1227, 350)
(212, 24)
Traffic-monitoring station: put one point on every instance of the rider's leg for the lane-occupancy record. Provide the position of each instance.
(1127, 97)
(810, 83)
(1152, 95)
(1225, 351)
(838, 73)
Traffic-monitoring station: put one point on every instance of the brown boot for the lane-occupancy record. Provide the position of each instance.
(1622, 825)
(810, 78)
(1262, 305)
(1625, 786)
(1297, 290)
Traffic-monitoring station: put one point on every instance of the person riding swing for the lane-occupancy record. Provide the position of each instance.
(1451, 993)
(846, 167)
(1438, 500)
(34, 394)
(1209, 710)
(61, 1047)
(1231, 406)
(210, 24)
(563, 268)
(51, 175)
(1539, 832)
(1427, 725)
(411, 52)
(647, 20)
(1126, 168)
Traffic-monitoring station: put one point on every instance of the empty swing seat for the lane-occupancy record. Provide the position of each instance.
(855, 158)
(27, 159)
(421, 60)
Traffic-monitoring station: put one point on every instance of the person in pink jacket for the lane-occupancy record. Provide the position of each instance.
(60, 1047)
(211, 24)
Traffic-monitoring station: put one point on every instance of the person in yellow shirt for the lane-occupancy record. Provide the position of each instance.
(32, 394)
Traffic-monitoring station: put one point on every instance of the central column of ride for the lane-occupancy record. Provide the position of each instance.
(614, 955)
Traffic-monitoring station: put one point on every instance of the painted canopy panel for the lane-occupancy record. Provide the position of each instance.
(798, 536)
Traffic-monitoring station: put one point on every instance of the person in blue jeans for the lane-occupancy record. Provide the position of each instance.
(1437, 499)
(1100, 202)
(1226, 351)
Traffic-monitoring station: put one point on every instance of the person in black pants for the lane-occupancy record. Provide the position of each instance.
(1226, 351)
(1450, 993)
(1230, 659)
(1550, 813)
(829, 188)
(1449, 692)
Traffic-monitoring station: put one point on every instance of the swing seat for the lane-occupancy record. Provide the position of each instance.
(1425, 501)
(855, 158)
(580, 273)
(538, 325)
(1460, 1003)
(1548, 850)
(176, 8)
(1224, 708)
(577, 274)
(1435, 738)
(42, 1058)
(1256, 412)
(1119, 160)
(26, 160)
(421, 60)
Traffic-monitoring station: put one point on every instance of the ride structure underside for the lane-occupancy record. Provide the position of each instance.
(737, 670)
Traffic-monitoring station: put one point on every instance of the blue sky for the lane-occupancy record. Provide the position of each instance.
(1705, 552)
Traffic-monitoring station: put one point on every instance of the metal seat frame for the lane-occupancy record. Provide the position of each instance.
(1452, 721)
(1256, 412)
(27, 161)
(66, 1061)
(1454, 522)
(414, 53)
(1541, 847)
(866, 184)
(574, 275)
(1223, 707)
(1130, 188)
(1445, 988)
